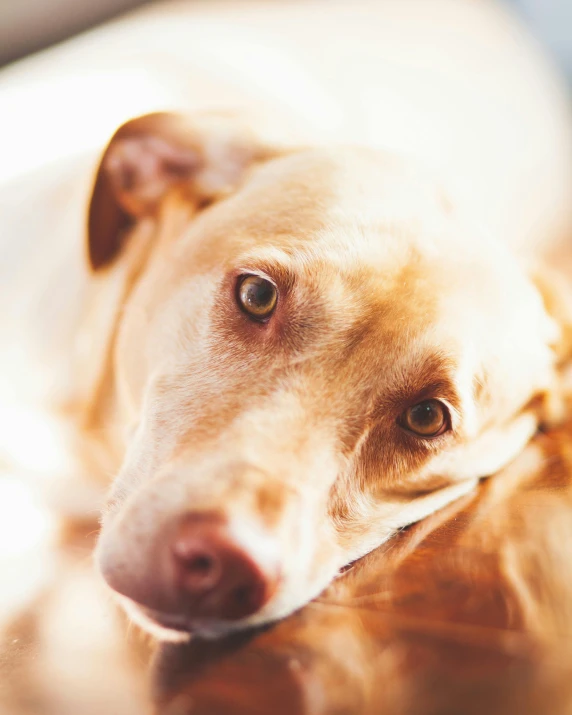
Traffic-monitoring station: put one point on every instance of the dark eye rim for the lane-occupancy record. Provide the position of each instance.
(242, 276)
(446, 427)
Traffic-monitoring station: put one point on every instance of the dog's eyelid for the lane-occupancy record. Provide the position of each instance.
(276, 273)
(249, 270)
(455, 414)
(442, 396)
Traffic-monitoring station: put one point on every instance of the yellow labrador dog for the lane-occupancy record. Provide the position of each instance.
(285, 350)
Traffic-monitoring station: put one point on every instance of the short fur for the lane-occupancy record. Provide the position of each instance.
(391, 291)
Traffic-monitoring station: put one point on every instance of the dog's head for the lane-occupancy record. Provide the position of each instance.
(315, 350)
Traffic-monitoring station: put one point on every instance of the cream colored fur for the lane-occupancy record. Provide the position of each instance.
(408, 259)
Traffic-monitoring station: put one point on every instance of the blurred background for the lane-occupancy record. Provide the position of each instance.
(551, 20)
(30, 25)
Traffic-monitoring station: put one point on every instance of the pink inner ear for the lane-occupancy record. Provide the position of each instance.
(143, 168)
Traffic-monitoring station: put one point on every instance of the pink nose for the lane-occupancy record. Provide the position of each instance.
(197, 571)
(217, 576)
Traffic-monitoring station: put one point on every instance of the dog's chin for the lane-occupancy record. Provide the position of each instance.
(171, 628)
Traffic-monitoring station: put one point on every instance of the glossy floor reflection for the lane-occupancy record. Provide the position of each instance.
(467, 612)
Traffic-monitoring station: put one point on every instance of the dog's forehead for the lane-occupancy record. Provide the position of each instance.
(328, 200)
(317, 193)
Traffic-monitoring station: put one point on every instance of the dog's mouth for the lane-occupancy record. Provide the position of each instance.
(170, 621)
(176, 627)
(182, 628)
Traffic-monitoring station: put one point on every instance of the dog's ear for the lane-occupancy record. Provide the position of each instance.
(205, 157)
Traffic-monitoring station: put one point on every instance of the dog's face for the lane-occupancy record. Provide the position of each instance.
(323, 355)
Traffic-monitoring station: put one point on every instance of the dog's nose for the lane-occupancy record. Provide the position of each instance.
(197, 569)
(215, 575)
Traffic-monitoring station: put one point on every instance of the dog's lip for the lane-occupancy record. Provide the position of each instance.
(172, 621)
(205, 627)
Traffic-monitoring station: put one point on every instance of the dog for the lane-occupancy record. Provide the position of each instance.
(284, 353)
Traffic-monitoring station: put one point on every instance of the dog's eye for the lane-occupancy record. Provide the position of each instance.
(256, 296)
(429, 418)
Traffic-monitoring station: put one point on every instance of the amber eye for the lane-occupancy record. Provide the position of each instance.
(429, 418)
(257, 296)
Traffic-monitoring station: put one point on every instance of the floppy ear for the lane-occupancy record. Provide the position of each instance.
(205, 157)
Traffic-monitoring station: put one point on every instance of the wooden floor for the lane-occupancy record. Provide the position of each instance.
(467, 612)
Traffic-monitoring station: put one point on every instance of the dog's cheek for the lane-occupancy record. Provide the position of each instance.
(311, 562)
(488, 453)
